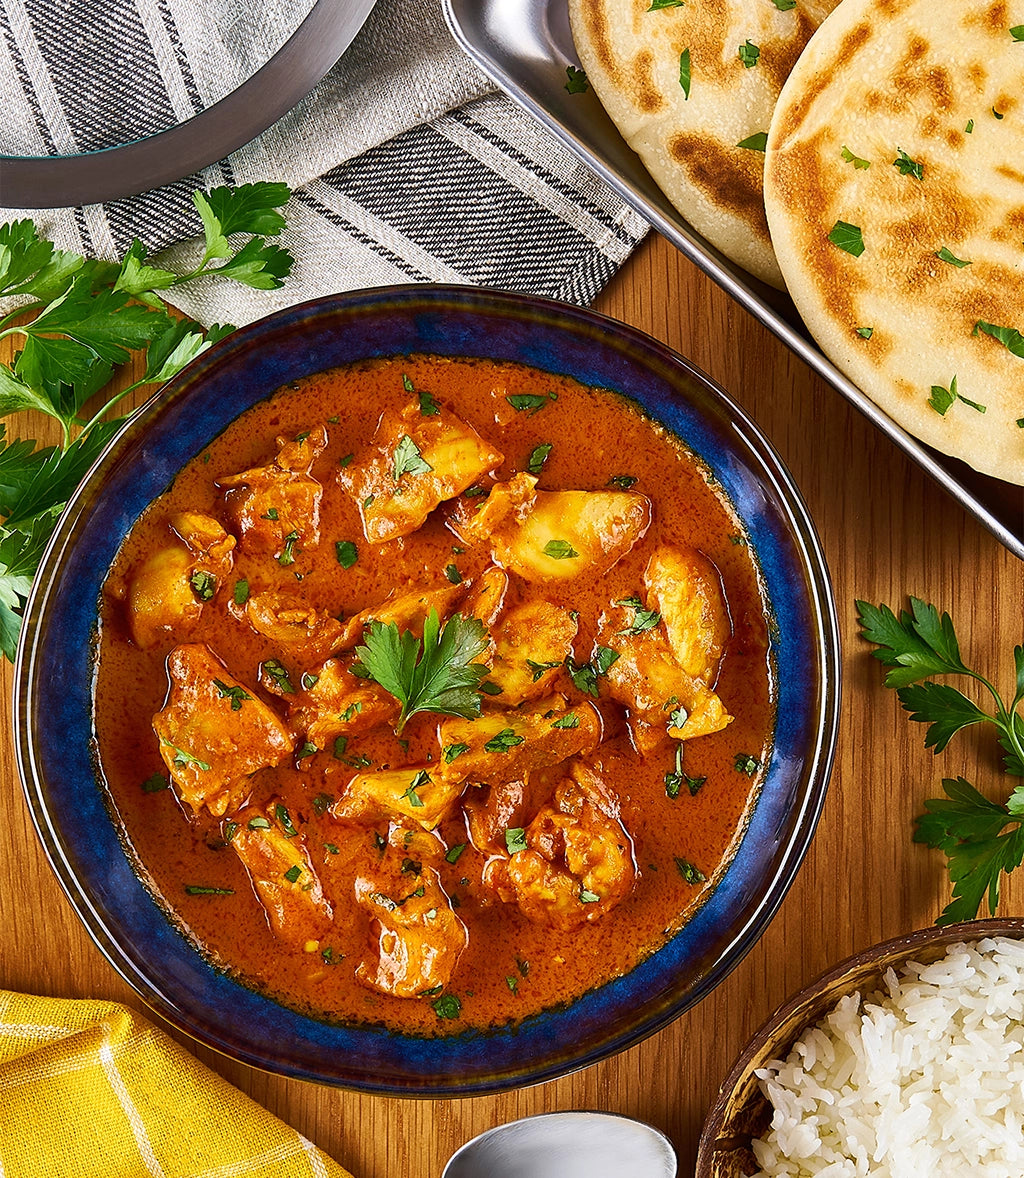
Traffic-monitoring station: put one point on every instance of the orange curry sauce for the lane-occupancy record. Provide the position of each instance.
(512, 966)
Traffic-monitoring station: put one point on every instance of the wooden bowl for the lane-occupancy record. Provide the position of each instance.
(740, 1111)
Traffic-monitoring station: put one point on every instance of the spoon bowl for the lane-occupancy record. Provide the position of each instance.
(576, 1144)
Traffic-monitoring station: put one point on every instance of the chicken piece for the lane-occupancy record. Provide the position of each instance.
(299, 630)
(335, 703)
(214, 732)
(662, 699)
(501, 746)
(407, 610)
(552, 536)
(530, 644)
(487, 595)
(685, 588)
(415, 792)
(274, 854)
(493, 809)
(276, 508)
(167, 591)
(413, 464)
(419, 939)
(578, 859)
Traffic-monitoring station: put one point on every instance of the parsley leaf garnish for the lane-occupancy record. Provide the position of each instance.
(944, 255)
(643, 619)
(856, 160)
(503, 741)
(1009, 337)
(756, 142)
(538, 456)
(577, 80)
(749, 53)
(346, 552)
(529, 402)
(656, 5)
(847, 237)
(967, 827)
(236, 694)
(435, 674)
(906, 166)
(684, 73)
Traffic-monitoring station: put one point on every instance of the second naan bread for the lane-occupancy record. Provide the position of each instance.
(895, 193)
(686, 84)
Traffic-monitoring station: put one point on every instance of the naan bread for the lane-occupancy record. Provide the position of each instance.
(937, 85)
(631, 56)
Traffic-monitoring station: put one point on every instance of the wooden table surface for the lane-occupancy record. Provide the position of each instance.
(887, 531)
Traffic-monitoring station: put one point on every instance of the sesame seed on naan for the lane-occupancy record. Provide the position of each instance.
(901, 132)
(632, 54)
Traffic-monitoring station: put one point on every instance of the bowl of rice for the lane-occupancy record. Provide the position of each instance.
(905, 1059)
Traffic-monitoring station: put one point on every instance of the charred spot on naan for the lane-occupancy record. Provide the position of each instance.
(995, 18)
(789, 122)
(648, 99)
(731, 178)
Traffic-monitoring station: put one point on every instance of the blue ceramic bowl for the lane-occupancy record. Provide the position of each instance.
(54, 706)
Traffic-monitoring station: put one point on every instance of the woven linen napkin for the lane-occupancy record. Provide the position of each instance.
(408, 168)
(89, 1089)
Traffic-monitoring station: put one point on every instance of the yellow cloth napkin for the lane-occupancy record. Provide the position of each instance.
(91, 1090)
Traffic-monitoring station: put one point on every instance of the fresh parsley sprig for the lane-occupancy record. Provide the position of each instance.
(968, 828)
(74, 323)
(435, 674)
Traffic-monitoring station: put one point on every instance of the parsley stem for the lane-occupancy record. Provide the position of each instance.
(96, 417)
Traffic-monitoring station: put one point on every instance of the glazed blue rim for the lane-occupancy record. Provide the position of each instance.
(53, 704)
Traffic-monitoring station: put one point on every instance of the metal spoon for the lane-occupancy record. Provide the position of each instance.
(566, 1145)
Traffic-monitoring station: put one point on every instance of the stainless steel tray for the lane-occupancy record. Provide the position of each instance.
(525, 46)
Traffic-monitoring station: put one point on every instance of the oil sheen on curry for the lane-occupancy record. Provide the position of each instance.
(434, 693)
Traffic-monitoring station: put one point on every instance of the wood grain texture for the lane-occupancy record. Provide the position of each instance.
(887, 531)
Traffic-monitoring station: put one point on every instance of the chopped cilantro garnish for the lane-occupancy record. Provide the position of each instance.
(538, 669)
(622, 481)
(515, 839)
(538, 456)
(259, 823)
(453, 574)
(411, 796)
(236, 694)
(278, 675)
(346, 552)
(308, 679)
(501, 743)
(747, 764)
(513, 984)
(560, 550)
(293, 873)
(529, 402)
(447, 1006)
(199, 890)
(643, 619)
(453, 853)
(589, 897)
(690, 873)
(453, 751)
(569, 720)
(241, 593)
(428, 406)
(321, 803)
(407, 459)
(155, 784)
(307, 750)
(865, 332)
(204, 585)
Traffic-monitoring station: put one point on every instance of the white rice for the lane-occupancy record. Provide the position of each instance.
(925, 1080)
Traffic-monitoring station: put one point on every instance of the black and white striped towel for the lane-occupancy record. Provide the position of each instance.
(407, 167)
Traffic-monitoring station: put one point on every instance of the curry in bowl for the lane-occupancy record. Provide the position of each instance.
(434, 692)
